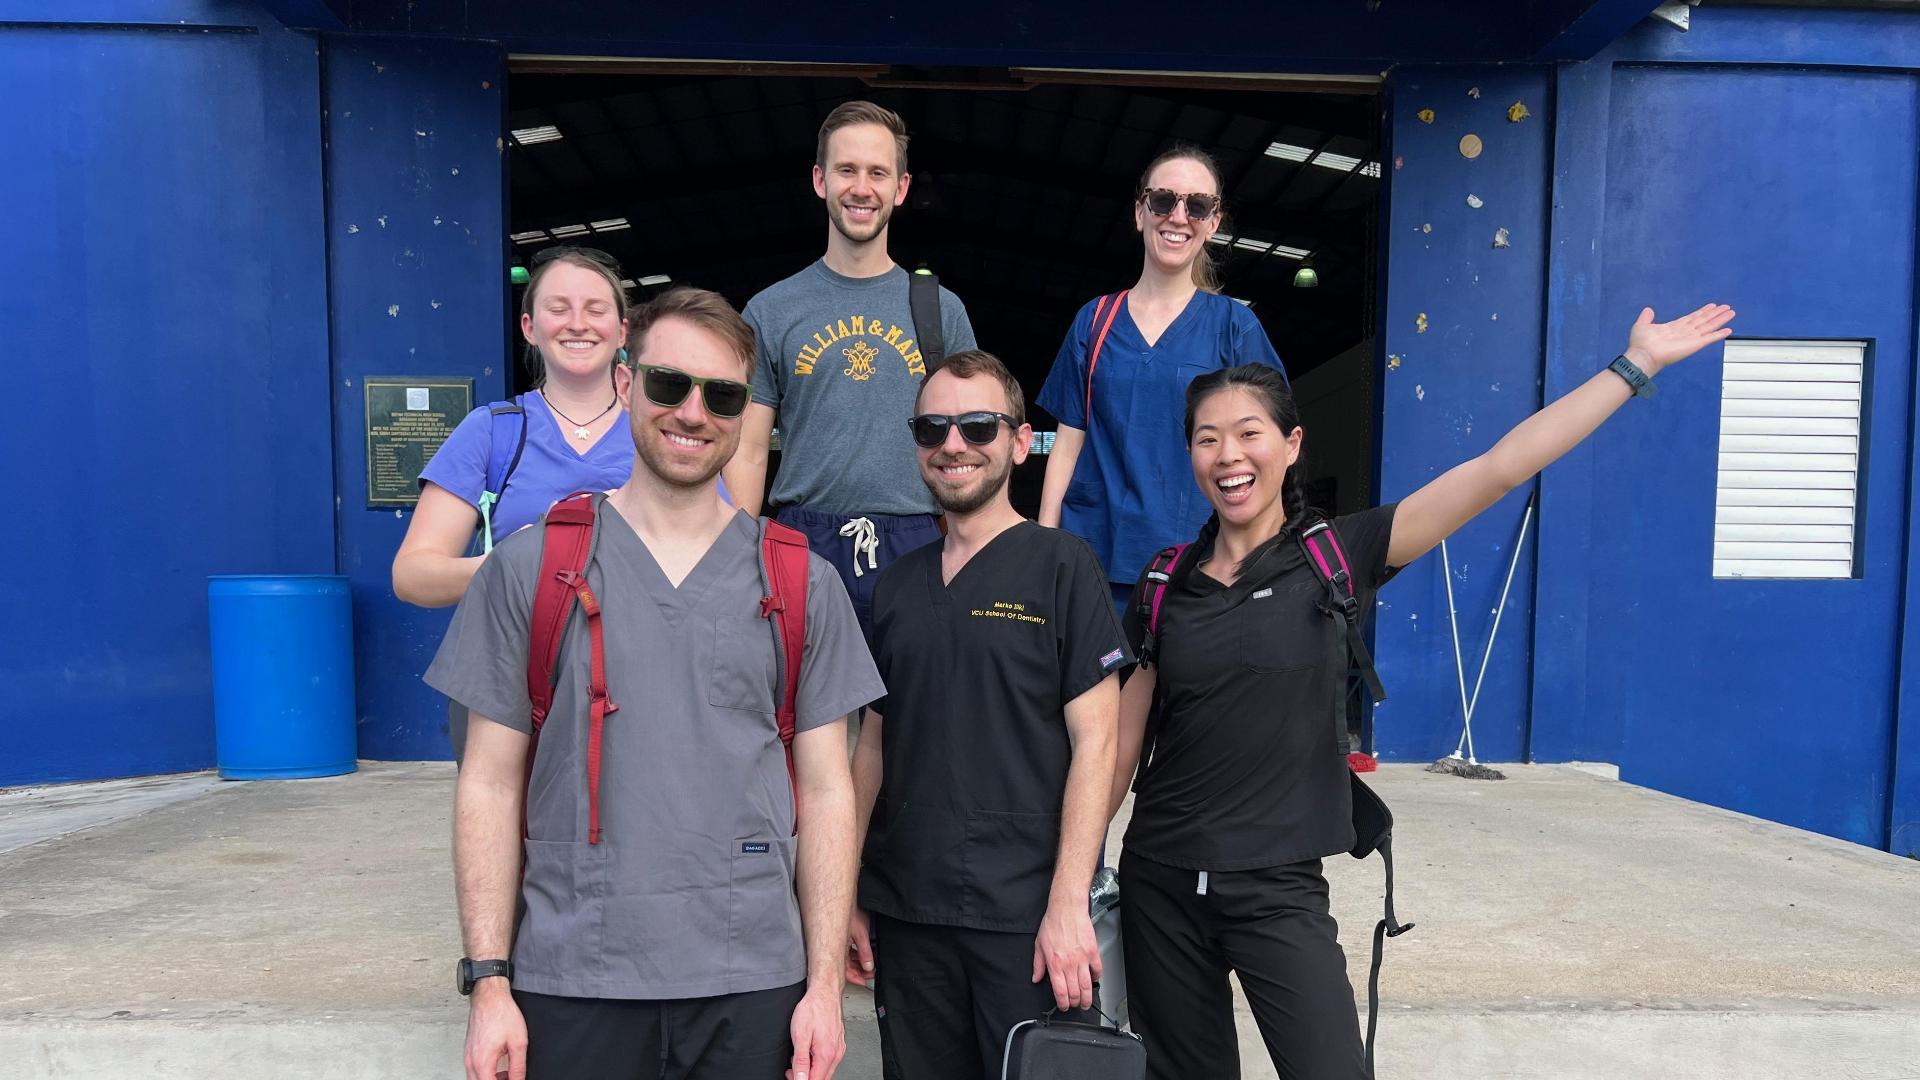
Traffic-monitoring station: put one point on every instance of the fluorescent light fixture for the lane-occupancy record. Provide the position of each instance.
(657, 279)
(1289, 152)
(1290, 252)
(626, 283)
(1337, 162)
(1371, 168)
(533, 237)
(1242, 303)
(1246, 243)
(568, 230)
(529, 136)
(611, 225)
(1220, 238)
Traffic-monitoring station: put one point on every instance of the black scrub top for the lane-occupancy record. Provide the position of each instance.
(1246, 770)
(974, 738)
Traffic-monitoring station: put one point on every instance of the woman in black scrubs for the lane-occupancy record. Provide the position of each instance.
(1245, 787)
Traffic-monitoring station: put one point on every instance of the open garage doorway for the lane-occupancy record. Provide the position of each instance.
(698, 174)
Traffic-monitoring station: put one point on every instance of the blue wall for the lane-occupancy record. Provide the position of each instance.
(1453, 387)
(170, 416)
(417, 221)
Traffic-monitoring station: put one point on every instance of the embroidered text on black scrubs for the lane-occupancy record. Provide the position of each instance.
(978, 673)
(1245, 769)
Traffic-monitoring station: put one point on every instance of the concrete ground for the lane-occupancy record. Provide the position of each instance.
(1568, 926)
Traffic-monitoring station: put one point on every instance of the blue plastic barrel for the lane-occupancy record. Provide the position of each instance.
(282, 675)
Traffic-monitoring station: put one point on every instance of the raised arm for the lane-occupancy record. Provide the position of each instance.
(746, 474)
(431, 568)
(1067, 442)
(1434, 512)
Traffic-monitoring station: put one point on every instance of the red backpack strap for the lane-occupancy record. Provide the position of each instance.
(783, 567)
(1110, 310)
(566, 548)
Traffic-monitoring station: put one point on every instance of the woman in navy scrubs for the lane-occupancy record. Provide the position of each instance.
(1245, 787)
(1116, 476)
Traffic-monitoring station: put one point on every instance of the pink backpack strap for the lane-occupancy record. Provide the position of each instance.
(1159, 576)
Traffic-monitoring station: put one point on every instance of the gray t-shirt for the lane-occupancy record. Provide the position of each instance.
(690, 892)
(838, 359)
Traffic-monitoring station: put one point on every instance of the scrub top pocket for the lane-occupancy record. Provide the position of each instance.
(742, 664)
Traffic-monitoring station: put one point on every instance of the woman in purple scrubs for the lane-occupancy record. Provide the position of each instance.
(1117, 476)
(574, 318)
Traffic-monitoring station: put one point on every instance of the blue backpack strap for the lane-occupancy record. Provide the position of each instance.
(500, 468)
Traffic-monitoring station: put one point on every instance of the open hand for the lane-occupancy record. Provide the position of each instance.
(1654, 345)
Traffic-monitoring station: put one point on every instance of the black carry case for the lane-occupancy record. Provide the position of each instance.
(1052, 1048)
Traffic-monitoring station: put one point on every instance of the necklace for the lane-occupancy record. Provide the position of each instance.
(580, 430)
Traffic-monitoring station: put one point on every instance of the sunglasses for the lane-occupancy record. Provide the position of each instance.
(1160, 202)
(668, 387)
(978, 428)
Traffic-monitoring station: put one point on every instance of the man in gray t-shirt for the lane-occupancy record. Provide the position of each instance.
(839, 362)
(697, 926)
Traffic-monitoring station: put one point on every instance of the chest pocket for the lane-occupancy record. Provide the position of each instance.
(742, 674)
(1285, 632)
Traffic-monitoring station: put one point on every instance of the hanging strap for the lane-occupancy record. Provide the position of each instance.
(497, 478)
(1159, 576)
(783, 569)
(1390, 926)
(1110, 310)
(1320, 544)
(566, 549)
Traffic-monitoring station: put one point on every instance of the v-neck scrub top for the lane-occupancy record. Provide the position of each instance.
(1132, 491)
(549, 469)
(690, 892)
(974, 739)
(1248, 769)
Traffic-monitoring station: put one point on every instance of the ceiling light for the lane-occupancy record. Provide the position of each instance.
(1306, 277)
(626, 283)
(529, 136)
(611, 225)
(1289, 152)
(1371, 168)
(519, 275)
(533, 237)
(1290, 252)
(657, 279)
(1246, 243)
(568, 230)
(1337, 162)
(1220, 238)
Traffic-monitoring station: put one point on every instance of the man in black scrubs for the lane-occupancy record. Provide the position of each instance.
(984, 772)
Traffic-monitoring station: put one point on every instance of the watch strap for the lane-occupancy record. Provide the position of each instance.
(472, 971)
(1639, 381)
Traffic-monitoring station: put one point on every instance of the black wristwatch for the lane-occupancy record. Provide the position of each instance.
(1640, 381)
(472, 971)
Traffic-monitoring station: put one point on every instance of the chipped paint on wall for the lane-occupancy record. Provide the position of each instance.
(1517, 112)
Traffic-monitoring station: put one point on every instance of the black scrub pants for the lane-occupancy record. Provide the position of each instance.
(1269, 926)
(947, 996)
(732, 1037)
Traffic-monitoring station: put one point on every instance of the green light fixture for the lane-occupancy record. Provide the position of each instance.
(1306, 277)
(923, 270)
(518, 275)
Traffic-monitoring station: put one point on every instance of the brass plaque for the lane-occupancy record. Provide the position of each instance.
(407, 420)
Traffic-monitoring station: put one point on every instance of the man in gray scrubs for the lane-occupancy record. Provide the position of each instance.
(673, 944)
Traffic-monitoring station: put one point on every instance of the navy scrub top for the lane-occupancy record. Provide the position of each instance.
(1132, 491)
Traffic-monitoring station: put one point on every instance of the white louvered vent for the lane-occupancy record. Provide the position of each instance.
(1789, 459)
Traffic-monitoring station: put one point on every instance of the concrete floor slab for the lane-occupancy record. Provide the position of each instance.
(1568, 927)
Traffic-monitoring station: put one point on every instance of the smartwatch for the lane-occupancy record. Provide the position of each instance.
(472, 971)
(1640, 381)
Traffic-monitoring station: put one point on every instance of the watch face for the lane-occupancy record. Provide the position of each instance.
(463, 976)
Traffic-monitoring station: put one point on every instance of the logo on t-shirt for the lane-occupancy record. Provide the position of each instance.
(1110, 659)
(755, 847)
(860, 354)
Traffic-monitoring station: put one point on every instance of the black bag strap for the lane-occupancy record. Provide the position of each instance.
(1389, 926)
(1320, 546)
(923, 298)
(1159, 576)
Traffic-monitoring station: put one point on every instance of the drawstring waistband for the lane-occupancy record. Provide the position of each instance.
(865, 542)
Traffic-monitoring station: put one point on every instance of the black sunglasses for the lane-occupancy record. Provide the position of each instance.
(978, 428)
(668, 387)
(591, 254)
(1160, 202)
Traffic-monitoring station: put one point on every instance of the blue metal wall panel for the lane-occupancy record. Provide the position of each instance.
(417, 224)
(1784, 193)
(1462, 358)
(171, 418)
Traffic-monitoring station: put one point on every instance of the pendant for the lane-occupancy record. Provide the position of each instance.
(581, 433)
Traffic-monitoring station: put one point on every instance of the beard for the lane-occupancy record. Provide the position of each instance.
(980, 489)
(673, 466)
(837, 216)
